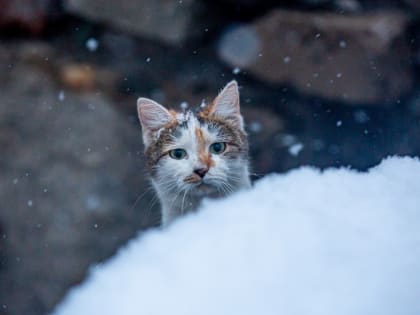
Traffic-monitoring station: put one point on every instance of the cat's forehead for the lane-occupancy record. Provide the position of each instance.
(189, 125)
(186, 119)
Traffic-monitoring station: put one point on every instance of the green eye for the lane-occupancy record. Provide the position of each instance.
(178, 154)
(218, 147)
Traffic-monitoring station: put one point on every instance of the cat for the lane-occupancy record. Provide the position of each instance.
(193, 155)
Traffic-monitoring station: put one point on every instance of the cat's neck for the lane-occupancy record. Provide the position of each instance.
(175, 203)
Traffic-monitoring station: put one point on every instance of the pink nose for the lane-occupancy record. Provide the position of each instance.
(201, 171)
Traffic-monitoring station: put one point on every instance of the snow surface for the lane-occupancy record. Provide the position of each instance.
(307, 242)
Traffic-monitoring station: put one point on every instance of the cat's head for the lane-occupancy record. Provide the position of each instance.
(200, 152)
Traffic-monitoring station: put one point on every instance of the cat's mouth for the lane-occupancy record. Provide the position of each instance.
(200, 186)
(193, 179)
(204, 189)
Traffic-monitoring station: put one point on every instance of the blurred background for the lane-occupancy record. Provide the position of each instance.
(322, 82)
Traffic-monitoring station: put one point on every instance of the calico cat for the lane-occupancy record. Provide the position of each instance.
(192, 155)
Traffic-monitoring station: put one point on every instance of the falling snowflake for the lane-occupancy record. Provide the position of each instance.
(92, 44)
(61, 96)
(295, 149)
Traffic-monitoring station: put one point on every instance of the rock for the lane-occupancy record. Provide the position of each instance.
(314, 3)
(165, 20)
(414, 104)
(78, 76)
(262, 126)
(255, 4)
(85, 76)
(355, 59)
(414, 4)
(240, 46)
(71, 170)
(28, 15)
(3, 252)
(348, 5)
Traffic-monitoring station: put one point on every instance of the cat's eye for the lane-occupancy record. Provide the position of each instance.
(217, 147)
(178, 154)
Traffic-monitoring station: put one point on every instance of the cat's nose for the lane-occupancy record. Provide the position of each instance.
(201, 171)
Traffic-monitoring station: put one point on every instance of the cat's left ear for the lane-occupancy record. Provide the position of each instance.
(226, 104)
(153, 116)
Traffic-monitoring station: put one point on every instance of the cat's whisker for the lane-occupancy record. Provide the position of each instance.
(183, 199)
(140, 197)
(228, 188)
(168, 185)
(152, 203)
(223, 189)
(147, 213)
(173, 201)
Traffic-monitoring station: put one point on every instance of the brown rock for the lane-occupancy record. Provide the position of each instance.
(414, 4)
(29, 15)
(166, 20)
(86, 77)
(78, 76)
(361, 59)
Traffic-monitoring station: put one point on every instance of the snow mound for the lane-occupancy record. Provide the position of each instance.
(307, 242)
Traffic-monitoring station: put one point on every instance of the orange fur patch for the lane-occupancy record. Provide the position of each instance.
(203, 155)
(174, 121)
(200, 136)
(206, 112)
(173, 113)
(194, 178)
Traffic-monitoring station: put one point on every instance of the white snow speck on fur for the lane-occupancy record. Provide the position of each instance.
(306, 242)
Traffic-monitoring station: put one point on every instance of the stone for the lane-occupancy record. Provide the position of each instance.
(28, 15)
(78, 76)
(348, 5)
(71, 170)
(255, 4)
(413, 4)
(355, 59)
(163, 20)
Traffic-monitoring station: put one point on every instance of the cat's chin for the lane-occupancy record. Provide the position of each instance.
(204, 189)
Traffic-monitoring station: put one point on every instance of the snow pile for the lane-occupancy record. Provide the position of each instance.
(308, 242)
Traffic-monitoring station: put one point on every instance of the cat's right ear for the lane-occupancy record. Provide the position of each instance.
(153, 117)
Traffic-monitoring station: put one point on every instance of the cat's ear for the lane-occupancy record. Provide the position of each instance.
(226, 104)
(153, 117)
